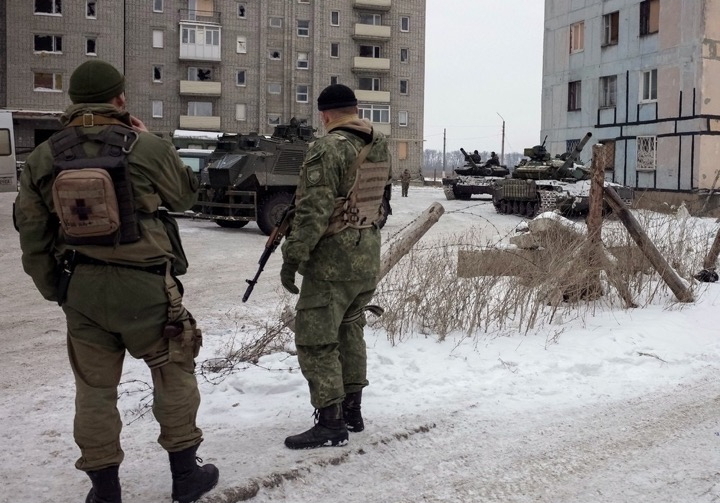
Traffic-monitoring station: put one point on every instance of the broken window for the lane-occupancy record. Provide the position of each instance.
(241, 12)
(610, 28)
(157, 73)
(303, 28)
(577, 37)
(574, 95)
(275, 54)
(48, 7)
(608, 91)
(90, 9)
(47, 82)
(241, 45)
(370, 51)
(646, 147)
(48, 43)
(648, 86)
(199, 74)
(649, 17)
(90, 47)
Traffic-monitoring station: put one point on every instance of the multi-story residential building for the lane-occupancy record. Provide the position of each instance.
(221, 65)
(640, 75)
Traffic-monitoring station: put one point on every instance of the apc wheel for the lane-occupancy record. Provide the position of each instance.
(271, 209)
(231, 224)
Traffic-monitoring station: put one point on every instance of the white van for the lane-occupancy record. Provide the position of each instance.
(8, 167)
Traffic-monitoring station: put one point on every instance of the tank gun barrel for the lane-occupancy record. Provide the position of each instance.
(573, 156)
(469, 158)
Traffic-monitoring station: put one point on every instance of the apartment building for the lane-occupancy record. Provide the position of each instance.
(221, 65)
(641, 75)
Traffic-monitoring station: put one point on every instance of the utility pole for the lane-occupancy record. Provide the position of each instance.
(502, 145)
(444, 139)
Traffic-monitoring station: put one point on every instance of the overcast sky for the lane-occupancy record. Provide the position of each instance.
(483, 58)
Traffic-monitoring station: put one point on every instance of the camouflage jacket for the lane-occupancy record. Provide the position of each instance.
(158, 177)
(405, 177)
(350, 254)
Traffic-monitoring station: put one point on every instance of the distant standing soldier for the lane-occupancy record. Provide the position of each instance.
(93, 240)
(335, 245)
(405, 182)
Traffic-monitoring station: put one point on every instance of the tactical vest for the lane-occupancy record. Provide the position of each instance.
(361, 208)
(93, 196)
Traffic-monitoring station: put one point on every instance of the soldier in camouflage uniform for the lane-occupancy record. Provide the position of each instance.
(118, 297)
(339, 265)
(405, 182)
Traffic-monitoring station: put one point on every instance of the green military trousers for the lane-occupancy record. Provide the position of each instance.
(329, 337)
(110, 310)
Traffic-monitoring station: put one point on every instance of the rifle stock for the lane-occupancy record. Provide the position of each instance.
(274, 239)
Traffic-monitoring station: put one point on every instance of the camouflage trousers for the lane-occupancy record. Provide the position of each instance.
(405, 186)
(111, 310)
(329, 337)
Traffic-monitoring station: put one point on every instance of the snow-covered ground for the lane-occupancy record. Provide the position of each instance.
(613, 406)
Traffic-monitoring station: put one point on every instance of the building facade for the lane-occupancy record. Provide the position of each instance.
(641, 76)
(221, 65)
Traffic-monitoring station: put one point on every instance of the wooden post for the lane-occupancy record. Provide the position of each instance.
(678, 286)
(595, 221)
(712, 256)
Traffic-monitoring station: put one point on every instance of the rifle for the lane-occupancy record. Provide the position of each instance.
(280, 230)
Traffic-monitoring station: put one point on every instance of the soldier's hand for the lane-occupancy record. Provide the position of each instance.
(287, 277)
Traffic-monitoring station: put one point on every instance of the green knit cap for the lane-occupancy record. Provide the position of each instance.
(95, 81)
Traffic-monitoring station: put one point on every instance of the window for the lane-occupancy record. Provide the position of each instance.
(158, 39)
(303, 1)
(608, 91)
(275, 54)
(275, 22)
(610, 28)
(240, 78)
(90, 9)
(335, 18)
(374, 113)
(241, 45)
(48, 7)
(91, 46)
(404, 85)
(334, 79)
(649, 17)
(370, 51)
(574, 95)
(302, 61)
(369, 83)
(571, 144)
(374, 19)
(334, 50)
(402, 150)
(404, 23)
(241, 14)
(648, 86)
(48, 43)
(157, 73)
(577, 37)
(274, 88)
(47, 82)
(274, 119)
(608, 154)
(197, 74)
(403, 118)
(5, 142)
(404, 55)
(303, 28)
(646, 147)
(157, 5)
(302, 93)
(240, 112)
(157, 109)
(200, 108)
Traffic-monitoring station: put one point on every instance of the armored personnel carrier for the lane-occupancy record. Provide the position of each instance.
(542, 183)
(472, 178)
(253, 177)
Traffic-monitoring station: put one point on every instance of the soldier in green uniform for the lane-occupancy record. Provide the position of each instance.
(405, 182)
(335, 245)
(93, 239)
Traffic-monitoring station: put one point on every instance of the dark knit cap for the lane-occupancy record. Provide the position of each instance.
(95, 81)
(336, 96)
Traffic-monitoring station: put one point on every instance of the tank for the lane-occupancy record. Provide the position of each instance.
(542, 183)
(252, 177)
(472, 179)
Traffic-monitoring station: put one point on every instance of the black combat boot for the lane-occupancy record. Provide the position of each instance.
(105, 486)
(351, 412)
(329, 430)
(190, 481)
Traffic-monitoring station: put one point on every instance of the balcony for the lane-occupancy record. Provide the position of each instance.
(371, 32)
(200, 16)
(200, 88)
(373, 4)
(372, 96)
(200, 52)
(199, 122)
(362, 64)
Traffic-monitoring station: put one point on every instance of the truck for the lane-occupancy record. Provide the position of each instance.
(8, 164)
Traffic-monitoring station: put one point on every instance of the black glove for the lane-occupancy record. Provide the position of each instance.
(287, 277)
